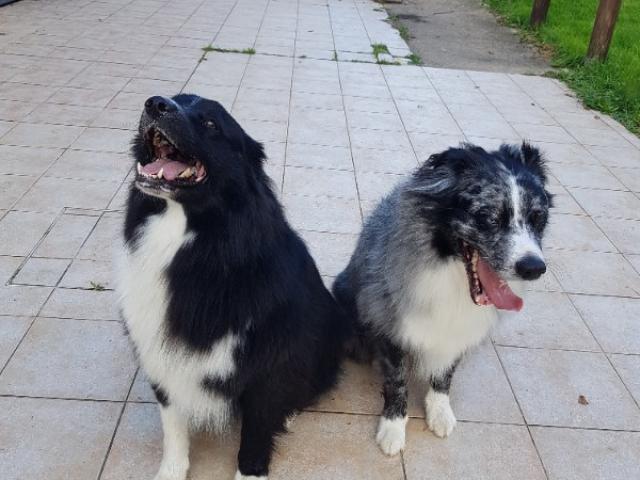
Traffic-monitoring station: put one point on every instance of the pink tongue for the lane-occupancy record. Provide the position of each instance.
(170, 168)
(497, 289)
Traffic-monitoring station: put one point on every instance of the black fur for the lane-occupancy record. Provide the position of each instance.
(394, 370)
(246, 272)
(442, 382)
(160, 394)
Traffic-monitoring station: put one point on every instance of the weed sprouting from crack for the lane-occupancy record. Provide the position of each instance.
(98, 287)
(414, 59)
(245, 51)
(403, 31)
(379, 48)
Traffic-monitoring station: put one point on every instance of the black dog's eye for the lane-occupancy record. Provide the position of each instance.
(210, 124)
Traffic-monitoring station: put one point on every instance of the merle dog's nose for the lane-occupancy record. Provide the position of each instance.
(158, 106)
(530, 267)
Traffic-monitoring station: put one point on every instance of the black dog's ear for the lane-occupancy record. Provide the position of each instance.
(240, 140)
(253, 150)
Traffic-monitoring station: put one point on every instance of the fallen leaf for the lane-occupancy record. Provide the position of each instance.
(582, 400)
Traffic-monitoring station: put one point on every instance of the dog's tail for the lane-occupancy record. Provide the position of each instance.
(357, 347)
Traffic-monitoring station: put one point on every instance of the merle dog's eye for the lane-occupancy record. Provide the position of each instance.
(489, 217)
(536, 218)
(210, 124)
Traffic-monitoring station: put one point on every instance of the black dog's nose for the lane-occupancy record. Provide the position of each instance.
(157, 106)
(530, 267)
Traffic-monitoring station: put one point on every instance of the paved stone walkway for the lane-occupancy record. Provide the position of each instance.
(73, 77)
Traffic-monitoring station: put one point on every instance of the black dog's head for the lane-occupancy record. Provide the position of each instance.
(490, 209)
(189, 148)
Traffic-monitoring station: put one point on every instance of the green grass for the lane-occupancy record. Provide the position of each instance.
(402, 30)
(612, 86)
(414, 59)
(379, 48)
(96, 286)
(246, 51)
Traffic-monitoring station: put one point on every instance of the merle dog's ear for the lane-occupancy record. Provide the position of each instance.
(533, 159)
(439, 176)
(436, 177)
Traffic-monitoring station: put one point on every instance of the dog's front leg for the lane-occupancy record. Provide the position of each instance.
(440, 417)
(263, 417)
(391, 429)
(175, 455)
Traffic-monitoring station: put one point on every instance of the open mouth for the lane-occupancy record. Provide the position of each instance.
(169, 165)
(485, 284)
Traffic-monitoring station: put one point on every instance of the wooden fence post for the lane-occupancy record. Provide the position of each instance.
(539, 12)
(603, 28)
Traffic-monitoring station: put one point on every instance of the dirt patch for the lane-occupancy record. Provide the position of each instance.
(464, 34)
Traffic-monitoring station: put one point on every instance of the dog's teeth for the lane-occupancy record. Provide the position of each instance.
(189, 172)
(160, 173)
(139, 168)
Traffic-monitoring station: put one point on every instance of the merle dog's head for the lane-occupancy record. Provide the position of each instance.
(190, 149)
(489, 209)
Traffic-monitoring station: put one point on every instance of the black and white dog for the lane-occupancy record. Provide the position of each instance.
(431, 269)
(221, 298)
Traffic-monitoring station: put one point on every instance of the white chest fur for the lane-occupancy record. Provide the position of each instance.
(143, 291)
(439, 321)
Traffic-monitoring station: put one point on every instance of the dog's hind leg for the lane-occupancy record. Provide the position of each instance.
(358, 345)
(175, 455)
(391, 429)
(440, 417)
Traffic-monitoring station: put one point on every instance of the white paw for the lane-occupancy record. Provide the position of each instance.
(440, 417)
(173, 471)
(391, 435)
(240, 476)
